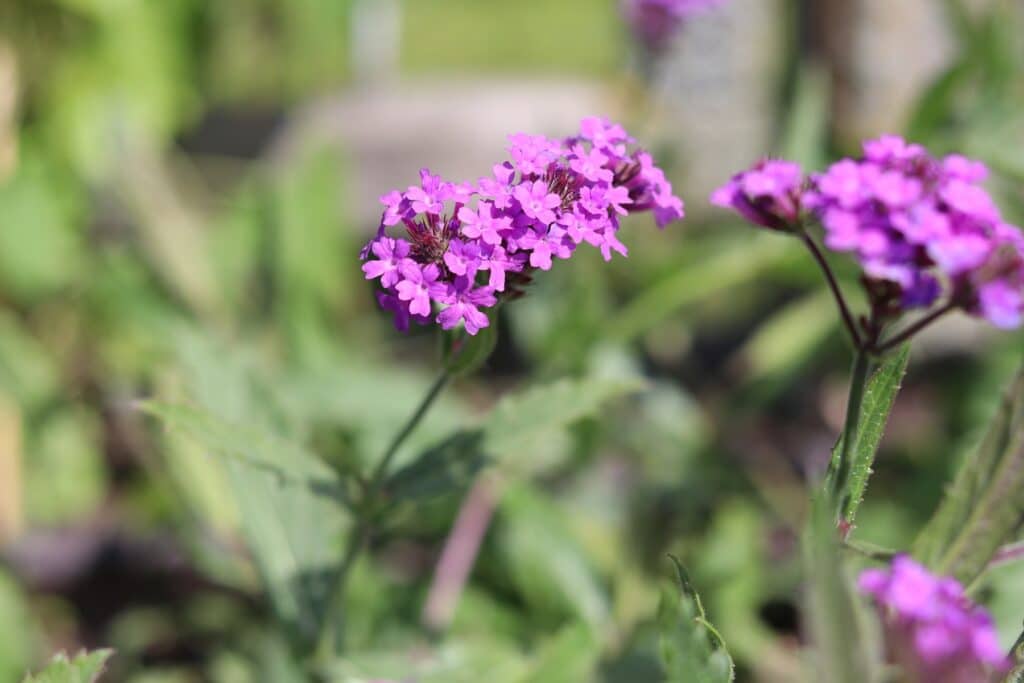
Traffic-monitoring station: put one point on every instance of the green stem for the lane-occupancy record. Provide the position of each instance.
(840, 466)
(330, 640)
(837, 292)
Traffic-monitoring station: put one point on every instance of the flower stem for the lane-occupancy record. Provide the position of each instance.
(330, 639)
(833, 284)
(840, 466)
(906, 334)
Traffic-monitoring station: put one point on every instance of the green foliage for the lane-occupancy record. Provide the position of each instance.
(847, 651)
(520, 421)
(879, 397)
(83, 668)
(691, 648)
(982, 509)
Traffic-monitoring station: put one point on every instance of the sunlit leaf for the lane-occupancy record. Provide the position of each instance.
(982, 508)
(83, 668)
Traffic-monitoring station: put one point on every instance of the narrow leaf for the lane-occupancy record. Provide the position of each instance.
(521, 418)
(845, 653)
(691, 648)
(975, 476)
(879, 397)
(289, 508)
(84, 668)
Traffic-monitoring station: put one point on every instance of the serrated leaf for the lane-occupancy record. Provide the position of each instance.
(84, 668)
(974, 477)
(519, 419)
(289, 502)
(448, 467)
(692, 650)
(289, 508)
(245, 445)
(879, 397)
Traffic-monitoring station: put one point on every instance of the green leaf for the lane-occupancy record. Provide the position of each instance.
(981, 509)
(448, 467)
(289, 509)
(519, 420)
(570, 656)
(692, 650)
(845, 651)
(546, 562)
(84, 668)
(879, 397)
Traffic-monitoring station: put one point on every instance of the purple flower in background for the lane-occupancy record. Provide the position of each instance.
(464, 244)
(924, 225)
(768, 194)
(921, 228)
(655, 22)
(932, 629)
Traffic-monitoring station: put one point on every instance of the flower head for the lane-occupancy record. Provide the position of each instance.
(933, 630)
(467, 245)
(768, 194)
(925, 225)
(921, 228)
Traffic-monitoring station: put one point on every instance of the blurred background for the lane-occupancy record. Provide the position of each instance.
(184, 189)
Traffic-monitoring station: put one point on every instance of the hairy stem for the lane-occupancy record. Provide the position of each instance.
(906, 334)
(840, 466)
(331, 633)
(833, 284)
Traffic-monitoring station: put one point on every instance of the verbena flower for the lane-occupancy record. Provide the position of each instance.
(655, 22)
(767, 194)
(926, 225)
(922, 228)
(932, 629)
(465, 246)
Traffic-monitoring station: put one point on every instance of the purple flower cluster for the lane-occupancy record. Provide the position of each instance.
(767, 194)
(466, 245)
(654, 22)
(924, 224)
(919, 226)
(932, 629)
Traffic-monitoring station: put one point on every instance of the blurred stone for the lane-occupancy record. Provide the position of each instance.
(883, 56)
(716, 93)
(458, 128)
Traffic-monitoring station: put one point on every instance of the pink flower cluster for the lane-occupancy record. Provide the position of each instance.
(919, 226)
(768, 194)
(468, 244)
(654, 22)
(932, 629)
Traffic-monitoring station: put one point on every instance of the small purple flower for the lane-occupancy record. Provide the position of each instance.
(416, 286)
(390, 254)
(463, 302)
(537, 202)
(767, 194)
(463, 258)
(932, 630)
(484, 224)
(591, 165)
